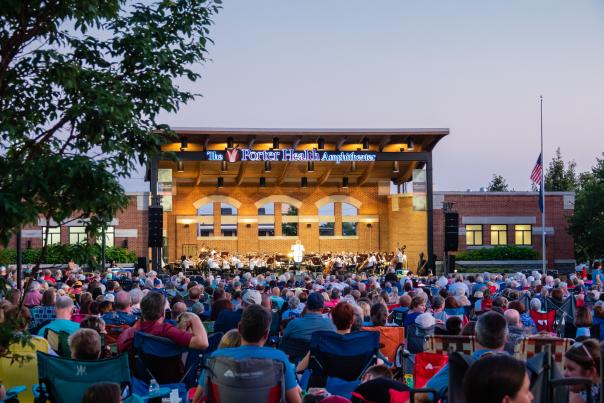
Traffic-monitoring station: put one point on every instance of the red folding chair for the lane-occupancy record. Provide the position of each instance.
(426, 366)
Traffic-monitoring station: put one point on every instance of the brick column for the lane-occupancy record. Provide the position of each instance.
(337, 210)
(217, 216)
(278, 220)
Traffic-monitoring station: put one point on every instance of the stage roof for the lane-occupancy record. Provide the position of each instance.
(401, 141)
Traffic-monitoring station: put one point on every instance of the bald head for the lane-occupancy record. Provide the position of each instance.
(512, 317)
(122, 300)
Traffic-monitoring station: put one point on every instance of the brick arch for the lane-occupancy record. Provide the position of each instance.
(217, 198)
(338, 198)
(279, 199)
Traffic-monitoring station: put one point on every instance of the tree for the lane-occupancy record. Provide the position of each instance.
(498, 184)
(586, 224)
(82, 83)
(560, 176)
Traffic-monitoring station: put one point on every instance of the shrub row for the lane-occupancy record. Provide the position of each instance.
(498, 253)
(83, 254)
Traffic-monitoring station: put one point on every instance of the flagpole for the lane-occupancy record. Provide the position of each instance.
(542, 195)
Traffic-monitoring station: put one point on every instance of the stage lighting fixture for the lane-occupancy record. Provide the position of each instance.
(184, 143)
(267, 166)
(304, 182)
(395, 167)
(311, 166)
(365, 143)
(410, 144)
(321, 143)
(345, 182)
(262, 182)
(220, 182)
(229, 142)
(180, 166)
(224, 166)
(275, 143)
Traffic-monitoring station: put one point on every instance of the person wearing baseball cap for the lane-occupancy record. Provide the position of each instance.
(228, 319)
(303, 328)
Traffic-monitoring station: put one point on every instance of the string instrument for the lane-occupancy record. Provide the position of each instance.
(328, 267)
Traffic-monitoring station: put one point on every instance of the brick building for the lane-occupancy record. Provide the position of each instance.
(509, 218)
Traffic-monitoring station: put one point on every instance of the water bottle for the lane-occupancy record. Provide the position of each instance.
(153, 386)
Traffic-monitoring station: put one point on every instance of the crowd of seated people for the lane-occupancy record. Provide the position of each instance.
(100, 314)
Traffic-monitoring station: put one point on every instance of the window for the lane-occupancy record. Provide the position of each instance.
(349, 228)
(327, 209)
(77, 235)
(523, 234)
(109, 236)
(473, 234)
(266, 228)
(228, 227)
(326, 228)
(205, 230)
(289, 229)
(288, 209)
(499, 234)
(54, 235)
(349, 209)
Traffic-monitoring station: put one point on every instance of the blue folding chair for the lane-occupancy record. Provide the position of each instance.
(337, 362)
(196, 359)
(64, 380)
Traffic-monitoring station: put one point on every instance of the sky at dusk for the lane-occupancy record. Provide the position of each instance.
(475, 67)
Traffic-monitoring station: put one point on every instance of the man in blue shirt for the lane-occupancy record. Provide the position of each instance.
(312, 321)
(62, 321)
(122, 314)
(228, 319)
(254, 329)
(491, 336)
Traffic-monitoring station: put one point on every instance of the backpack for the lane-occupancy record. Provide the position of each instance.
(250, 379)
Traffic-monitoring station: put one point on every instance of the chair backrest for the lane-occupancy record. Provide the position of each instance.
(209, 326)
(14, 373)
(398, 315)
(527, 347)
(295, 349)
(416, 338)
(444, 344)
(252, 379)
(544, 321)
(59, 342)
(113, 332)
(66, 380)
(426, 366)
(196, 359)
(391, 337)
(157, 357)
(341, 356)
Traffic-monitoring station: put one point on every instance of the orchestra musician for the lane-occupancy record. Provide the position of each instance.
(298, 253)
(213, 262)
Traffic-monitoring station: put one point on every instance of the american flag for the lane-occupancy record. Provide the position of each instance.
(537, 171)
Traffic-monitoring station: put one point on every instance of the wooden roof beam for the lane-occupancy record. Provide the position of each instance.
(405, 174)
(324, 177)
(363, 178)
(198, 179)
(241, 173)
(341, 141)
(383, 143)
(283, 174)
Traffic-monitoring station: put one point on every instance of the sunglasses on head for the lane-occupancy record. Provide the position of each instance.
(580, 344)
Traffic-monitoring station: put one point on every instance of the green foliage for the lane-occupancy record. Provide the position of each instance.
(82, 85)
(498, 253)
(560, 176)
(498, 184)
(586, 224)
(83, 254)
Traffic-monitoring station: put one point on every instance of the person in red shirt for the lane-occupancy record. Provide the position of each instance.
(48, 278)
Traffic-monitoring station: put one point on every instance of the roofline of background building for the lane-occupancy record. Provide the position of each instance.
(513, 193)
(293, 131)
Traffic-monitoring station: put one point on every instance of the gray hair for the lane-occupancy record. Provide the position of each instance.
(535, 304)
(293, 303)
(135, 296)
(64, 302)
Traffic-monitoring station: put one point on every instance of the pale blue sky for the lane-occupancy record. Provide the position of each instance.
(476, 67)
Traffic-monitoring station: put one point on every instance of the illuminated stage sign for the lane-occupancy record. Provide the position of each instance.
(289, 154)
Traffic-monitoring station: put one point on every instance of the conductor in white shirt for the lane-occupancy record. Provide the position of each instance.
(297, 253)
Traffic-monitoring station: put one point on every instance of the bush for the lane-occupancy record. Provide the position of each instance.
(83, 254)
(498, 253)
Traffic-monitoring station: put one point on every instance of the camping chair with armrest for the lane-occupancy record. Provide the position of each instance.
(337, 362)
(398, 315)
(196, 359)
(444, 344)
(527, 347)
(160, 358)
(15, 373)
(391, 339)
(59, 342)
(295, 349)
(252, 379)
(64, 380)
